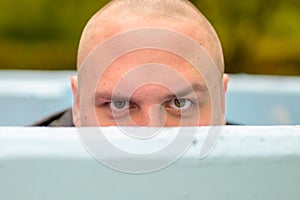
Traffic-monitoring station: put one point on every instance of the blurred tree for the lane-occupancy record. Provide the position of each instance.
(42, 34)
(258, 36)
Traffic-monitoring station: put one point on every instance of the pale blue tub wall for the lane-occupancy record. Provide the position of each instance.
(263, 100)
(36, 95)
(27, 96)
(247, 163)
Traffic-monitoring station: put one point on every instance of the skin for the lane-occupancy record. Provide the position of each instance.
(150, 104)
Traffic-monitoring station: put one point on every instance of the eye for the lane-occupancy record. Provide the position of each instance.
(119, 105)
(180, 104)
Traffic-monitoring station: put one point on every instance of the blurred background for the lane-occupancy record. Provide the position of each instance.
(259, 37)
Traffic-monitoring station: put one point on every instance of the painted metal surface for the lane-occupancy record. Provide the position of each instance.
(246, 163)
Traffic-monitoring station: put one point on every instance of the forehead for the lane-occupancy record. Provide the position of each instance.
(120, 54)
(156, 71)
(152, 65)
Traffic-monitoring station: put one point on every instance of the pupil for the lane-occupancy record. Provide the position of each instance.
(119, 104)
(179, 103)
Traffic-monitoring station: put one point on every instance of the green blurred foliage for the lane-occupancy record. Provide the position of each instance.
(42, 34)
(258, 36)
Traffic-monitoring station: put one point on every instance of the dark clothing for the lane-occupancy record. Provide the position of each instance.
(61, 119)
(64, 119)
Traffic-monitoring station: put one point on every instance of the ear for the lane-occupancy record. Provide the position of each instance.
(225, 82)
(76, 105)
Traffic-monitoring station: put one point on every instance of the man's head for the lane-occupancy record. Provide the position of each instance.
(169, 82)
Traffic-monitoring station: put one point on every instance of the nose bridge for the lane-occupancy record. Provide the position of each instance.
(151, 115)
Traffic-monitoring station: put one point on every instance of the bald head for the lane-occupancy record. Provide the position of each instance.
(122, 15)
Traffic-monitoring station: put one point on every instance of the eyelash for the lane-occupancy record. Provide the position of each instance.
(109, 106)
(187, 103)
(132, 104)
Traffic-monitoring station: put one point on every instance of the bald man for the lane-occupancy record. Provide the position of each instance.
(147, 63)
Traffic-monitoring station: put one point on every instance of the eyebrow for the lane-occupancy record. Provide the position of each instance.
(109, 96)
(196, 87)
